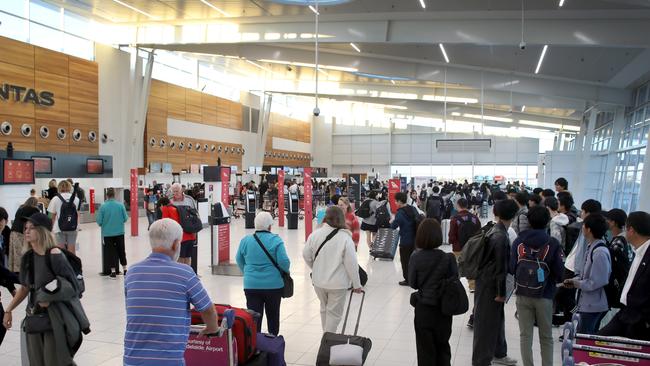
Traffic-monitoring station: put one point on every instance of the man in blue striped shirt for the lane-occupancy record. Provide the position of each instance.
(158, 295)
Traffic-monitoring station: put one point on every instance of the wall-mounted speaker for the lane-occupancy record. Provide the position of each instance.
(92, 136)
(172, 144)
(197, 146)
(181, 146)
(152, 142)
(76, 135)
(6, 128)
(104, 138)
(26, 129)
(213, 148)
(189, 146)
(61, 133)
(44, 132)
(162, 143)
(219, 148)
(205, 147)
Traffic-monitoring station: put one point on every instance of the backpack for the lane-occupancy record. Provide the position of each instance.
(571, 234)
(189, 219)
(414, 215)
(620, 260)
(423, 195)
(68, 216)
(472, 256)
(364, 210)
(531, 265)
(467, 228)
(75, 263)
(435, 207)
(383, 216)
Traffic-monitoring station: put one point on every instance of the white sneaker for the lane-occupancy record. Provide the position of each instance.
(504, 361)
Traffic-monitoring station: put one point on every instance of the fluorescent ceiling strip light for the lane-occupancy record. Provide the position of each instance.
(215, 8)
(303, 64)
(561, 3)
(489, 118)
(355, 47)
(135, 9)
(424, 6)
(549, 125)
(400, 107)
(440, 98)
(444, 53)
(541, 59)
(313, 9)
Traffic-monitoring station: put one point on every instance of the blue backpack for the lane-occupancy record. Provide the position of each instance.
(532, 271)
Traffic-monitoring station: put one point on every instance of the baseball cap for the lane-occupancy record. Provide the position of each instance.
(40, 219)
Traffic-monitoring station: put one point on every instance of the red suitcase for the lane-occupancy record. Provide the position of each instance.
(244, 330)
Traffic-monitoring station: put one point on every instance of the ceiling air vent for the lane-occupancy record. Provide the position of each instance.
(463, 145)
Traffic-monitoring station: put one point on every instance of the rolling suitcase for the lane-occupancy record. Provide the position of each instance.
(218, 349)
(445, 225)
(385, 244)
(484, 210)
(260, 358)
(273, 346)
(329, 340)
(244, 329)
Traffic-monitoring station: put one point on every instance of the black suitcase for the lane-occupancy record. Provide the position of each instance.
(385, 244)
(261, 358)
(332, 339)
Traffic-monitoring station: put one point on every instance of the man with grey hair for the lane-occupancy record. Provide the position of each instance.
(189, 249)
(261, 257)
(158, 295)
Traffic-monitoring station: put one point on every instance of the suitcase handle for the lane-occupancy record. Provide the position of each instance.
(347, 312)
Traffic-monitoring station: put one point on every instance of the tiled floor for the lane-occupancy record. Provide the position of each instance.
(387, 317)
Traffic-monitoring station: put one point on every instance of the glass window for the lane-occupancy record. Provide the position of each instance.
(75, 24)
(45, 37)
(78, 47)
(17, 7)
(13, 27)
(45, 14)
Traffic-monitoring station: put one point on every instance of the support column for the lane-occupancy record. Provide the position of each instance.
(263, 128)
(583, 151)
(138, 106)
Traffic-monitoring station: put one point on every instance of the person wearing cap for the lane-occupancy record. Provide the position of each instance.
(7, 278)
(42, 348)
(111, 218)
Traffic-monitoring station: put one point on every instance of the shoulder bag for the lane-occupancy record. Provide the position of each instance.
(363, 276)
(287, 290)
(37, 319)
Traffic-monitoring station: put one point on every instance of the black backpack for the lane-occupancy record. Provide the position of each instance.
(189, 219)
(382, 215)
(364, 210)
(468, 226)
(620, 260)
(414, 215)
(529, 262)
(571, 233)
(435, 207)
(68, 217)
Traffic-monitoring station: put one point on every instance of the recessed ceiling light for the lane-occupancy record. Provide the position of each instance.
(541, 59)
(355, 47)
(444, 53)
(135, 9)
(215, 8)
(313, 9)
(424, 6)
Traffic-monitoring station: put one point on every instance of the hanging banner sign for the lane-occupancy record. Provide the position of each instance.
(309, 217)
(393, 188)
(134, 202)
(281, 198)
(223, 231)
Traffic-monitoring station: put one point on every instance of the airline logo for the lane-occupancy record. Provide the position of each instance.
(394, 185)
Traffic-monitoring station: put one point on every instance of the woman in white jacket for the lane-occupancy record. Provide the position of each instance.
(334, 267)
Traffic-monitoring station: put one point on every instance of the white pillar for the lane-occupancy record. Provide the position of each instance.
(583, 151)
(607, 196)
(644, 190)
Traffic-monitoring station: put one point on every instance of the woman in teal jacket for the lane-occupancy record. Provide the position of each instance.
(262, 280)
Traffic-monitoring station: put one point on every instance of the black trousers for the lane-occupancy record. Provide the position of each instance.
(116, 251)
(265, 301)
(432, 332)
(489, 325)
(404, 257)
(565, 301)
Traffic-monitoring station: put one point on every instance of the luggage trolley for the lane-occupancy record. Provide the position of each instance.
(218, 349)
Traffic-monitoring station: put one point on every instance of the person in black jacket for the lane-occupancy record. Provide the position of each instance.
(490, 346)
(633, 320)
(405, 221)
(432, 327)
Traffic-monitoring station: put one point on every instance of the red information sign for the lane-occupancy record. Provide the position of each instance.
(281, 198)
(308, 202)
(134, 202)
(91, 198)
(18, 171)
(393, 188)
(224, 230)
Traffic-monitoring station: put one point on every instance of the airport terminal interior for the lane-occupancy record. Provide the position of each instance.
(285, 108)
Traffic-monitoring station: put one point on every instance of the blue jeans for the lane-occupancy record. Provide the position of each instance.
(590, 322)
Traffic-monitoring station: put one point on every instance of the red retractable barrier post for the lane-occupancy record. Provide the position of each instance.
(309, 220)
(393, 188)
(281, 198)
(134, 202)
(91, 199)
(224, 230)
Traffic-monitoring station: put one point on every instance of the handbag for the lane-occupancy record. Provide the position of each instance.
(453, 298)
(287, 290)
(37, 323)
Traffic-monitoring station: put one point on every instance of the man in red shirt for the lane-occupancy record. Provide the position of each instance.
(168, 209)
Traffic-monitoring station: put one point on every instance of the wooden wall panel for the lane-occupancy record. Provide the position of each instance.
(19, 141)
(156, 124)
(176, 102)
(209, 109)
(84, 70)
(223, 113)
(83, 91)
(236, 116)
(193, 105)
(16, 75)
(16, 53)
(52, 143)
(84, 114)
(294, 158)
(59, 86)
(51, 62)
(158, 89)
(84, 145)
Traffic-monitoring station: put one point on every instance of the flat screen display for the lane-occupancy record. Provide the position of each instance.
(94, 166)
(274, 171)
(18, 171)
(42, 164)
(155, 167)
(233, 168)
(167, 168)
